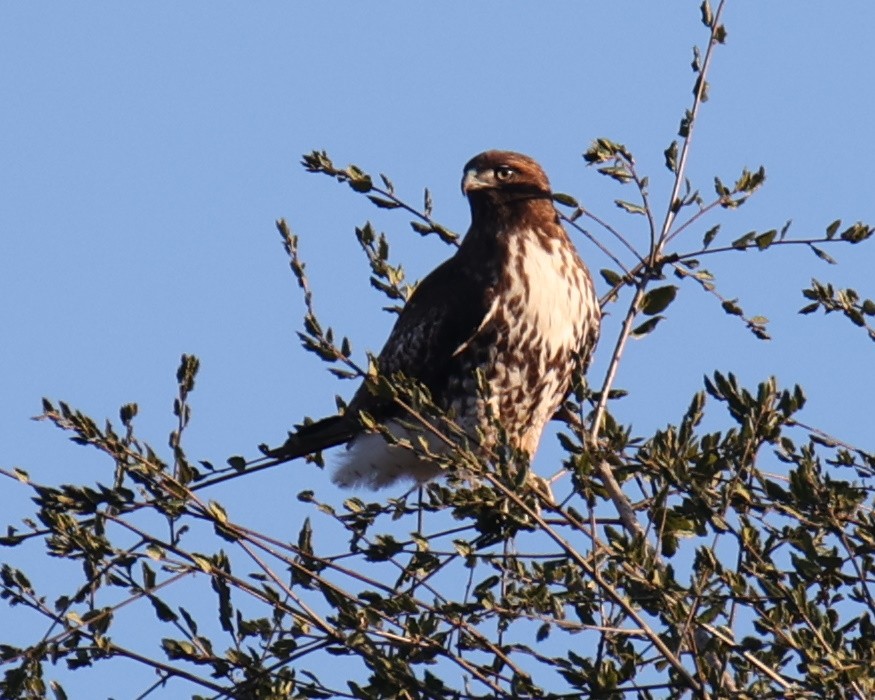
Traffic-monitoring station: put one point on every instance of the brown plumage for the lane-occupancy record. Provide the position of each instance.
(515, 302)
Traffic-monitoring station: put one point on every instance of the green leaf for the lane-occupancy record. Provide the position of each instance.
(733, 309)
(750, 181)
(856, 233)
(833, 228)
(127, 413)
(764, 240)
(657, 300)
(203, 562)
(617, 172)
(745, 241)
(671, 157)
(162, 611)
(383, 203)
(646, 327)
(58, 690)
(822, 254)
(359, 180)
(696, 63)
(565, 199)
(701, 88)
(217, 511)
(686, 123)
(190, 622)
(707, 14)
(305, 537)
(543, 632)
(629, 207)
(612, 278)
(710, 235)
(603, 150)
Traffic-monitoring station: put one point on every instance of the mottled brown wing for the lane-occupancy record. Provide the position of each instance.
(445, 311)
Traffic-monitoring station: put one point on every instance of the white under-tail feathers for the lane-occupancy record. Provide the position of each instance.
(372, 462)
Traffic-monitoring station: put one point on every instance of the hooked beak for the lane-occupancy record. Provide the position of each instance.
(471, 181)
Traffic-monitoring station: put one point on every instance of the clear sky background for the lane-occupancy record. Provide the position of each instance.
(147, 148)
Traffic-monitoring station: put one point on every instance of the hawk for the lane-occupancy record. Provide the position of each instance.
(515, 303)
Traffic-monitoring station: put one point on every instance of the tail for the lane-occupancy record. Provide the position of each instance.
(314, 437)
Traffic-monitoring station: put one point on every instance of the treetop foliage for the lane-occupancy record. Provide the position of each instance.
(725, 563)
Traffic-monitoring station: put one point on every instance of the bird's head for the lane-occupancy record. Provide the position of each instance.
(505, 175)
(506, 188)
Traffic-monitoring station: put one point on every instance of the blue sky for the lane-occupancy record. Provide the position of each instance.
(147, 149)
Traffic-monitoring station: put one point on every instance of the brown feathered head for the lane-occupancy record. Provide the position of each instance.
(506, 171)
(499, 184)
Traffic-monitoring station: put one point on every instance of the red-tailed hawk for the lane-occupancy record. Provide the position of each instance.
(515, 302)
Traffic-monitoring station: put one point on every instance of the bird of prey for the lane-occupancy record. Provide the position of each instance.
(515, 304)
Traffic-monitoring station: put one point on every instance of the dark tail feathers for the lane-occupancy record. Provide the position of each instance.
(314, 437)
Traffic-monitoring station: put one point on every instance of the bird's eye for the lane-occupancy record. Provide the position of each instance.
(503, 173)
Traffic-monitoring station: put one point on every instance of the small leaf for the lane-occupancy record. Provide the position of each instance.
(686, 123)
(856, 233)
(163, 611)
(821, 254)
(696, 63)
(764, 240)
(629, 207)
(745, 241)
(359, 180)
(203, 563)
(707, 14)
(832, 228)
(565, 199)
(611, 277)
(217, 511)
(383, 203)
(646, 327)
(671, 157)
(148, 577)
(616, 172)
(58, 690)
(127, 413)
(710, 235)
(237, 463)
(733, 309)
(657, 300)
